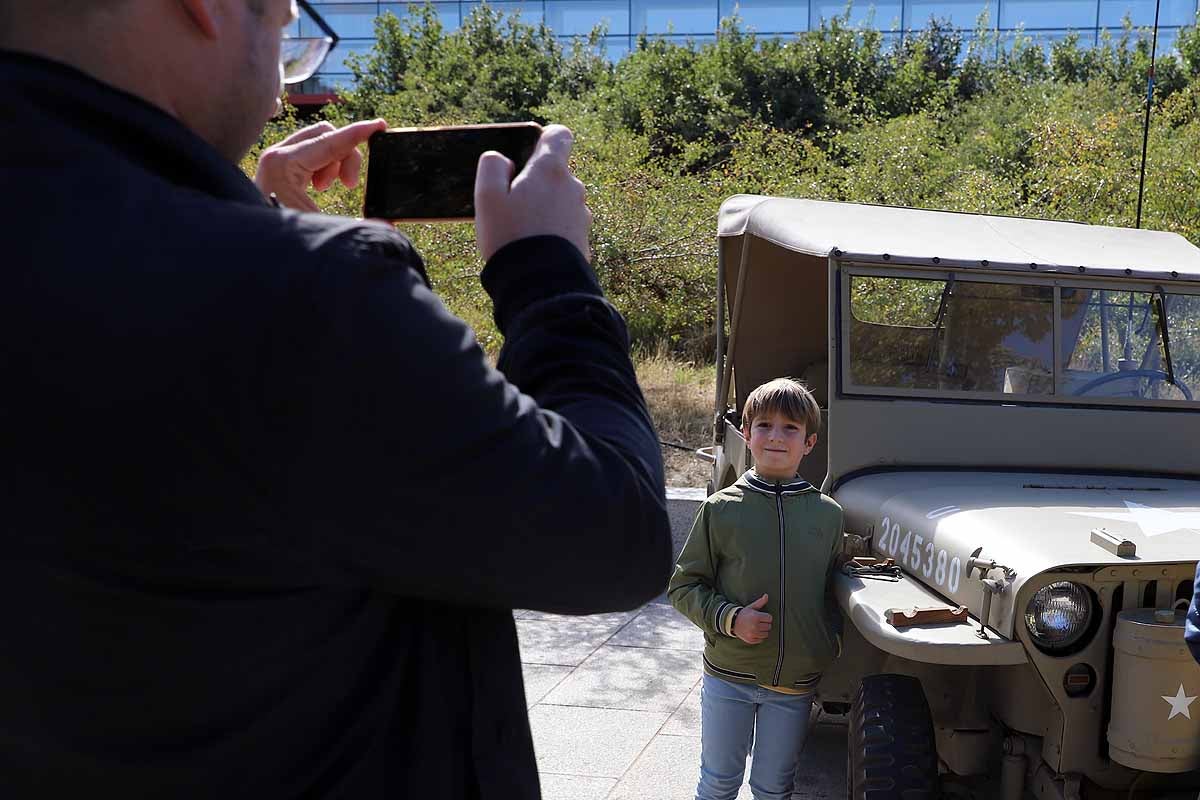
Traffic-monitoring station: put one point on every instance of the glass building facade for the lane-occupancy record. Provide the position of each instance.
(1043, 20)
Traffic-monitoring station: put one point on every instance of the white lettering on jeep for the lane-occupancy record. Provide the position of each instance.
(932, 563)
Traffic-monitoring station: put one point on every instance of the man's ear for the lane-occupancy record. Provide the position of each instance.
(811, 441)
(203, 14)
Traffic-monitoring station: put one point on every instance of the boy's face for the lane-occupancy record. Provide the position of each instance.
(778, 443)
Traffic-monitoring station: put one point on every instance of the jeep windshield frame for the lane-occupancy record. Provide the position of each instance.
(1019, 339)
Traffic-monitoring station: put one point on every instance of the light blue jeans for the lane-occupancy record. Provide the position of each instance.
(732, 715)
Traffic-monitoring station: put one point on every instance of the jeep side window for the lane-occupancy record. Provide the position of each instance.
(960, 335)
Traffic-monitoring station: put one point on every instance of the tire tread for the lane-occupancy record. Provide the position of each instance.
(891, 751)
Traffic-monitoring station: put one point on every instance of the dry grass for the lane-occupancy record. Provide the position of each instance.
(680, 397)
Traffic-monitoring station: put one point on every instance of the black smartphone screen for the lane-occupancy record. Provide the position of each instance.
(429, 173)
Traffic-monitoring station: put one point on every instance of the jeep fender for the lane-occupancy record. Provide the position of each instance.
(865, 603)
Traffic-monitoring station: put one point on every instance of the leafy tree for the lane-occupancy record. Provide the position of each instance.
(1188, 45)
(655, 91)
(846, 68)
(1023, 59)
(1070, 63)
(922, 68)
(1169, 76)
(493, 69)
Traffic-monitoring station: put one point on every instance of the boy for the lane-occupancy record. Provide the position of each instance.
(752, 575)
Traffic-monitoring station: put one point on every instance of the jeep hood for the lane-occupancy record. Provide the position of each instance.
(932, 522)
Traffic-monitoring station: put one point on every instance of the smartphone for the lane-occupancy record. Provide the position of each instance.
(428, 174)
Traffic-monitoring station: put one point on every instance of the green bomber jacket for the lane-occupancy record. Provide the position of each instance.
(757, 537)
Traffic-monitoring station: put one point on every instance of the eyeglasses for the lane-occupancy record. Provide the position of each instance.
(301, 56)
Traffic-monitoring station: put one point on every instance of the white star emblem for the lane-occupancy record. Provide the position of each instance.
(1179, 703)
(1152, 521)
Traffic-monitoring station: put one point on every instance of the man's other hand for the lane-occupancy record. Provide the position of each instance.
(545, 199)
(752, 625)
(316, 155)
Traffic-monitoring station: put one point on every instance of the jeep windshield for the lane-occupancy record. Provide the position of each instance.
(980, 337)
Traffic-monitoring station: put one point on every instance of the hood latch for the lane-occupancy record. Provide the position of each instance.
(991, 586)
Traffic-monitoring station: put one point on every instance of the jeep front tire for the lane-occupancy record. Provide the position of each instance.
(891, 753)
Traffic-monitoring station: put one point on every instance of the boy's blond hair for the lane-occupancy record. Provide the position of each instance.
(787, 396)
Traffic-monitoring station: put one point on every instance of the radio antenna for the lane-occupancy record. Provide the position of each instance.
(1149, 103)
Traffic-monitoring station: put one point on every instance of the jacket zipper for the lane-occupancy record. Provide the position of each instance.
(782, 580)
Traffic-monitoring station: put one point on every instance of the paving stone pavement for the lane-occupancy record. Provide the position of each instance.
(614, 704)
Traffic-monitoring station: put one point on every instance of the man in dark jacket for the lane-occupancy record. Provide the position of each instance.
(266, 507)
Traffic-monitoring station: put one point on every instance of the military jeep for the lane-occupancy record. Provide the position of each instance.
(1013, 430)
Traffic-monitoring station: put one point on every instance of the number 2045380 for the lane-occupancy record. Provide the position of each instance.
(918, 555)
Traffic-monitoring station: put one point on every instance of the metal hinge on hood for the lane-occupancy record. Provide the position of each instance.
(991, 586)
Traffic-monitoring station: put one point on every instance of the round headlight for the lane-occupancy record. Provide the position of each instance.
(1058, 615)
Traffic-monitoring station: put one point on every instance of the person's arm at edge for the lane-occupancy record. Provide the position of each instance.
(592, 386)
(548, 498)
(560, 335)
(1192, 627)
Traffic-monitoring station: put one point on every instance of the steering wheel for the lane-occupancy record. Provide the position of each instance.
(1153, 374)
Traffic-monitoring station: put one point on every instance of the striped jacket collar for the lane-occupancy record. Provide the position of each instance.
(751, 480)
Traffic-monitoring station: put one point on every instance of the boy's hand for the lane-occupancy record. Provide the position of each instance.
(752, 625)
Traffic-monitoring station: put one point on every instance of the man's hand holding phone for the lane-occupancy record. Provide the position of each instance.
(544, 199)
(317, 156)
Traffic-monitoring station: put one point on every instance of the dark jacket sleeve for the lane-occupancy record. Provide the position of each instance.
(429, 473)
(1191, 633)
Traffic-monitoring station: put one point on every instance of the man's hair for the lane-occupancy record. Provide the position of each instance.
(787, 396)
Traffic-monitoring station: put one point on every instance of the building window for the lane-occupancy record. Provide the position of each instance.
(768, 16)
(1045, 14)
(530, 13)
(674, 16)
(1171, 12)
(578, 17)
(348, 20)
